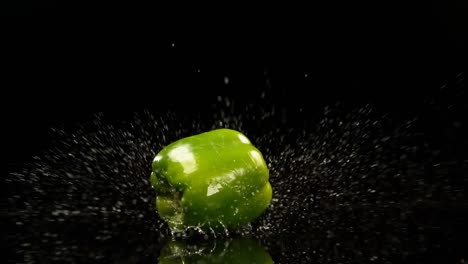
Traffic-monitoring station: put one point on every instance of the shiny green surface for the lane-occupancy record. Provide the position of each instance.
(237, 250)
(215, 179)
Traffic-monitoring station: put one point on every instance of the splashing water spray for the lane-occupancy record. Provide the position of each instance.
(314, 193)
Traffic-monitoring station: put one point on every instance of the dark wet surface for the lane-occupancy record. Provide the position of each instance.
(351, 185)
(364, 130)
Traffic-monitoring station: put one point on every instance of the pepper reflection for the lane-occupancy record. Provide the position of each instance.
(245, 250)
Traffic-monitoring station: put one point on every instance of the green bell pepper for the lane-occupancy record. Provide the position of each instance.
(216, 179)
(237, 250)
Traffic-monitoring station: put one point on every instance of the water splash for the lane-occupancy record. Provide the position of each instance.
(351, 185)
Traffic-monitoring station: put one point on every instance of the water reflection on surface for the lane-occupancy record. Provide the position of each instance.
(243, 250)
(350, 189)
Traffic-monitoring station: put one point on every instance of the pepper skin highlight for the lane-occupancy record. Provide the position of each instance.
(216, 179)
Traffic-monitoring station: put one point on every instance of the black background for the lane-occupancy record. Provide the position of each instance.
(61, 71)
(395, 56)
